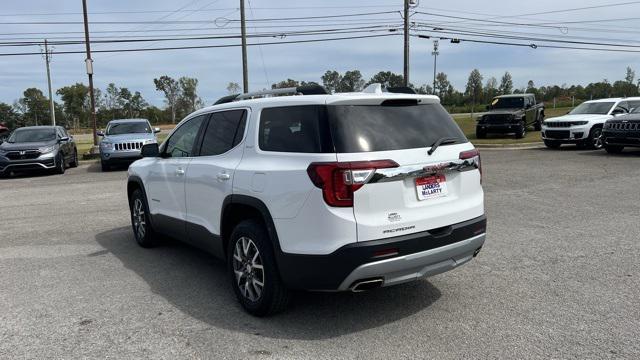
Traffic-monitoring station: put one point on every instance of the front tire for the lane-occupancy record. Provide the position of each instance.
(538, 124)
(613, 149)
(74, 163)
(60, 167)
(522, 130)
(104, 166)
(140, 220)
(481, 134)
(253, 271)
(595, 139)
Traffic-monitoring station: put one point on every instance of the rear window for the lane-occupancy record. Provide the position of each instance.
(358, 128)
(355, 128)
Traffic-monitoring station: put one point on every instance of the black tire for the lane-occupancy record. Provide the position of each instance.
(60, 166)
(273, 296)
(522, 130)
(538, 124)
(74, 162)
(481, 134)
(552, 144)
(140, 221)
(104, 166)
(595, 138)
(613, 149)
(5, 174)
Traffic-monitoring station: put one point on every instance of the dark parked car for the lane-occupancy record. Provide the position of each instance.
(622, 131)
(511, 114)
(38, 147)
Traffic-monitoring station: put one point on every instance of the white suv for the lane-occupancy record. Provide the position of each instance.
(342, 192)
(583, 125)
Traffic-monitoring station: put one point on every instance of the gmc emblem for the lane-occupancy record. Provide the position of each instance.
(22, 152)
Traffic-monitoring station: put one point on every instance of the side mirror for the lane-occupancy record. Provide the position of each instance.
(156, 130)
(100, 133)
(64, 139)
(150, 150)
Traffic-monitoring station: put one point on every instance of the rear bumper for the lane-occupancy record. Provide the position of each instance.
(621, 138)
(415, 255)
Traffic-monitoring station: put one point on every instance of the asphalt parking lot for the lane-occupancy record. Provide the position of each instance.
(559, 277)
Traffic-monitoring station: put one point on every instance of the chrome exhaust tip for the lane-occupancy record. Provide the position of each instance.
(364, 285)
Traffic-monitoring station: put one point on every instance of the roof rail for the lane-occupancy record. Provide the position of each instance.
(298, 90)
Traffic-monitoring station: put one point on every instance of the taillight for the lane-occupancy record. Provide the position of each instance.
(475, 156)
(339, 180)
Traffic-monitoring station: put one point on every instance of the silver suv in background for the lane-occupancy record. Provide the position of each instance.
(122, 140)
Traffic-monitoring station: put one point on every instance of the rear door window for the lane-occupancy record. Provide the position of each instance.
(224, 132)
(300, 129)
(367, 128)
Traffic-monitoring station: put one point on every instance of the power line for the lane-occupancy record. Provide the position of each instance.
(206, 46)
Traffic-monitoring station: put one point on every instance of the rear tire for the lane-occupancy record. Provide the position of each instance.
(552, 144)
(613, 149)
(140, 220)
(253, 272)
(538, 124)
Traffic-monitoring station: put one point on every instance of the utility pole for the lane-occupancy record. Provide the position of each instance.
(47, 59)
(89, 63)
(243, 29)
(435, 54)
(406, 42)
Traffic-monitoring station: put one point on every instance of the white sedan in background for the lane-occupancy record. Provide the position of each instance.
(583, 125)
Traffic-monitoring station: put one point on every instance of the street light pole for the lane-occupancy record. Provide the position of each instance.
(89, 63)
(435, 54)
(243, 30)
(47, 59)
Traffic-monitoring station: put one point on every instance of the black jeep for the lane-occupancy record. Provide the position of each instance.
(509, 114)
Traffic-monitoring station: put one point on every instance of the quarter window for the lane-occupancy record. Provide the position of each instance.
(181, 142)
(224, 132)
(301, 129)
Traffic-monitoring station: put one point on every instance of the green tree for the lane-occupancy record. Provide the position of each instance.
(387, 79)
(172, 93)
(351, 81)
(490, 89)
(35, 107)
(630, 76)
(74, 99)
(331, 80)
(189, 100)
(9, 116)
(286, 84)
(474, 88)
(233, 88)
(506, 84)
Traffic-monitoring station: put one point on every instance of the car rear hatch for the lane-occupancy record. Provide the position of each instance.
(397, 186)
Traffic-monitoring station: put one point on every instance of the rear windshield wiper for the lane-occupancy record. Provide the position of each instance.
(441, 141)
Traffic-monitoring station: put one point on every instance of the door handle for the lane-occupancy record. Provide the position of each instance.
(224, 176)
(179, 172)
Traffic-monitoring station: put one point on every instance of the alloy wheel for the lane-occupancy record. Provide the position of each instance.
(139, 220)
(248, 269)
(597, 139)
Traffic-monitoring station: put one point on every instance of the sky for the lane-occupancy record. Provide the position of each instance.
(216, 67)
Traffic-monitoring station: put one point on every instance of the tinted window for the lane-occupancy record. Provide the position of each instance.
(508, 102)
(358, 128)
(301, 129)
(224, 132)
(137, 127)
(181, 142)
(634, 106)
(33, 135)
(598, 108)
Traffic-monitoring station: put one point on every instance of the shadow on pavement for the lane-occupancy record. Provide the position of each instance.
(197, 284)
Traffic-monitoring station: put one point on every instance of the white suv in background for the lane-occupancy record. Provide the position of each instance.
(583, 125)
(342, 192)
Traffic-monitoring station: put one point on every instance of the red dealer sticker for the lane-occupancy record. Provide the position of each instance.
(431, 187)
